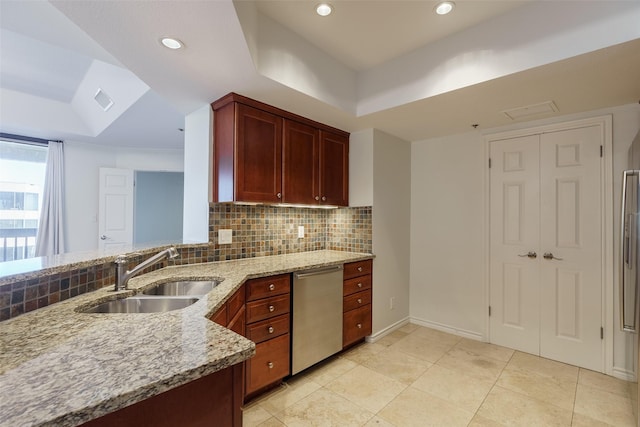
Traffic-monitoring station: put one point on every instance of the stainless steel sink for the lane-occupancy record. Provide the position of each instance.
(142, 304)
(183, 288)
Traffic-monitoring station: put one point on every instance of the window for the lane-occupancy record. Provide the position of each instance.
(22, 170)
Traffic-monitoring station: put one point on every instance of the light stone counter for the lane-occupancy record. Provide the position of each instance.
(61, 367)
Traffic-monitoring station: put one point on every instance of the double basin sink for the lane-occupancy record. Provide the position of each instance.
(159, 298)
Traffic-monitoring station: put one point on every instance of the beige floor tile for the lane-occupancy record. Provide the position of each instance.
(329, 371)
(397, 365)
(254, 415)
(324, 408)
(408, 328)
(479, 421)
(458, 389)
(439, 337)
(378, 422)
(417, 408)
(604, 406)
(472, 364)
(580, 420)
(513, 409)
(605, 382)
(485, 349)
(289, 393)
(366, 388)
(392, 338)
(363, 351)
(272, 422)
(542, 366)
(421, 348)
(556, 391)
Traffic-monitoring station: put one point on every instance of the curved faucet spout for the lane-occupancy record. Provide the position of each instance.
(123, 275)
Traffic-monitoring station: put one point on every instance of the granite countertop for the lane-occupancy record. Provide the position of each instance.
(61, 367)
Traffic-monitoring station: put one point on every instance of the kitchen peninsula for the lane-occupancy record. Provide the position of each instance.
(59, 366)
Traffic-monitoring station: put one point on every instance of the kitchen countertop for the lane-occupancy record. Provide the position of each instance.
(61, 367)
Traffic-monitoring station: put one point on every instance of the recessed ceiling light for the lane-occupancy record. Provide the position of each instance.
(324, 9)
(171, 43)
(444, 7)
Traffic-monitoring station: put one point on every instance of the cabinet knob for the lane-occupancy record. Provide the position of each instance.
(359, 325)
(359, 300)
(279, 195)
(359, 285)
(270, 329)
(270, 365)
(272, 287)
(360, 269)
(271, 308)
(324, 198)
(317, 197)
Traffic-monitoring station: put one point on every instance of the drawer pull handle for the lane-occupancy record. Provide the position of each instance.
(270, 365)
(272, 287)
(271, 308)
(359, 325)
(270, 329)
(359, 300)
(360, 269)
(359, 285)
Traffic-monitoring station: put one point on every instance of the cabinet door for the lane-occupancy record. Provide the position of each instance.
(301, 151)
(334, 169)
(258, 155)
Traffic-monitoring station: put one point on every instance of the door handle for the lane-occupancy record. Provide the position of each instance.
(103, 237)
(549, 255)
(530, 254)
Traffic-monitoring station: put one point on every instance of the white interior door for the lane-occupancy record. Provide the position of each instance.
(515, 225)
(115, 208)
(546, 200)
(571, 213)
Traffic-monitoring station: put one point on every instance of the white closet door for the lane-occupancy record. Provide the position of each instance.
(571, 230)
(515, 226)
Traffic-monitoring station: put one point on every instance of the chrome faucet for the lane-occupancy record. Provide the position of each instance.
(123, 275)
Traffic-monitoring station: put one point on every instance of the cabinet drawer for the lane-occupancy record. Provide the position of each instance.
(267, 308)
(270, 364)
(359, 268)
(356, 325)
(356, 284)
(268, 286)
(357, 300)
(267, 329)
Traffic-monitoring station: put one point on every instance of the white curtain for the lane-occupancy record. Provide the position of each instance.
(50, 240)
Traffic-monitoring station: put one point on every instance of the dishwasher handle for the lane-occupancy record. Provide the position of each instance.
(309, 273)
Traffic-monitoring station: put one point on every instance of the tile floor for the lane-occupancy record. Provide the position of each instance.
(418, 376)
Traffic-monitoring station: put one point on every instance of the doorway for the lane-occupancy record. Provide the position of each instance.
(547, 244)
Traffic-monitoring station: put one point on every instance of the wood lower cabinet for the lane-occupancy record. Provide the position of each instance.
(265, 154)
(268, 320)
(356, 303)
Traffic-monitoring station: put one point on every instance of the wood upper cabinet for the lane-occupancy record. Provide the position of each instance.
(264, 154)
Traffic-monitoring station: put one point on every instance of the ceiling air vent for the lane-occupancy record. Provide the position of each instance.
(103, 99)
(547, 107)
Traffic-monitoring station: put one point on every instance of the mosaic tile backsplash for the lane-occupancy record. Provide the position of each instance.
(257, 231)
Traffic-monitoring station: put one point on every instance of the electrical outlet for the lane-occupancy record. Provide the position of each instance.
(225, 236)
(391, 301)
(301, 232)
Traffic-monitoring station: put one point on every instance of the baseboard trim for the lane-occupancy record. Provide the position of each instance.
(451, 330)
(386, 331)
(623, 374)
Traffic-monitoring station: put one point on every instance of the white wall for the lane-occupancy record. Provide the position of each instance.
(82, 162)
(447, 240)
(197, 177)
(448, 253)
(380, 176)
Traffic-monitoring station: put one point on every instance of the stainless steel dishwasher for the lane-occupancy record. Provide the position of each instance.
(317, 316)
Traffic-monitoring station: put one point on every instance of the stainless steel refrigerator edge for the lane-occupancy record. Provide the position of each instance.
(629, 262)
(317, 316)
